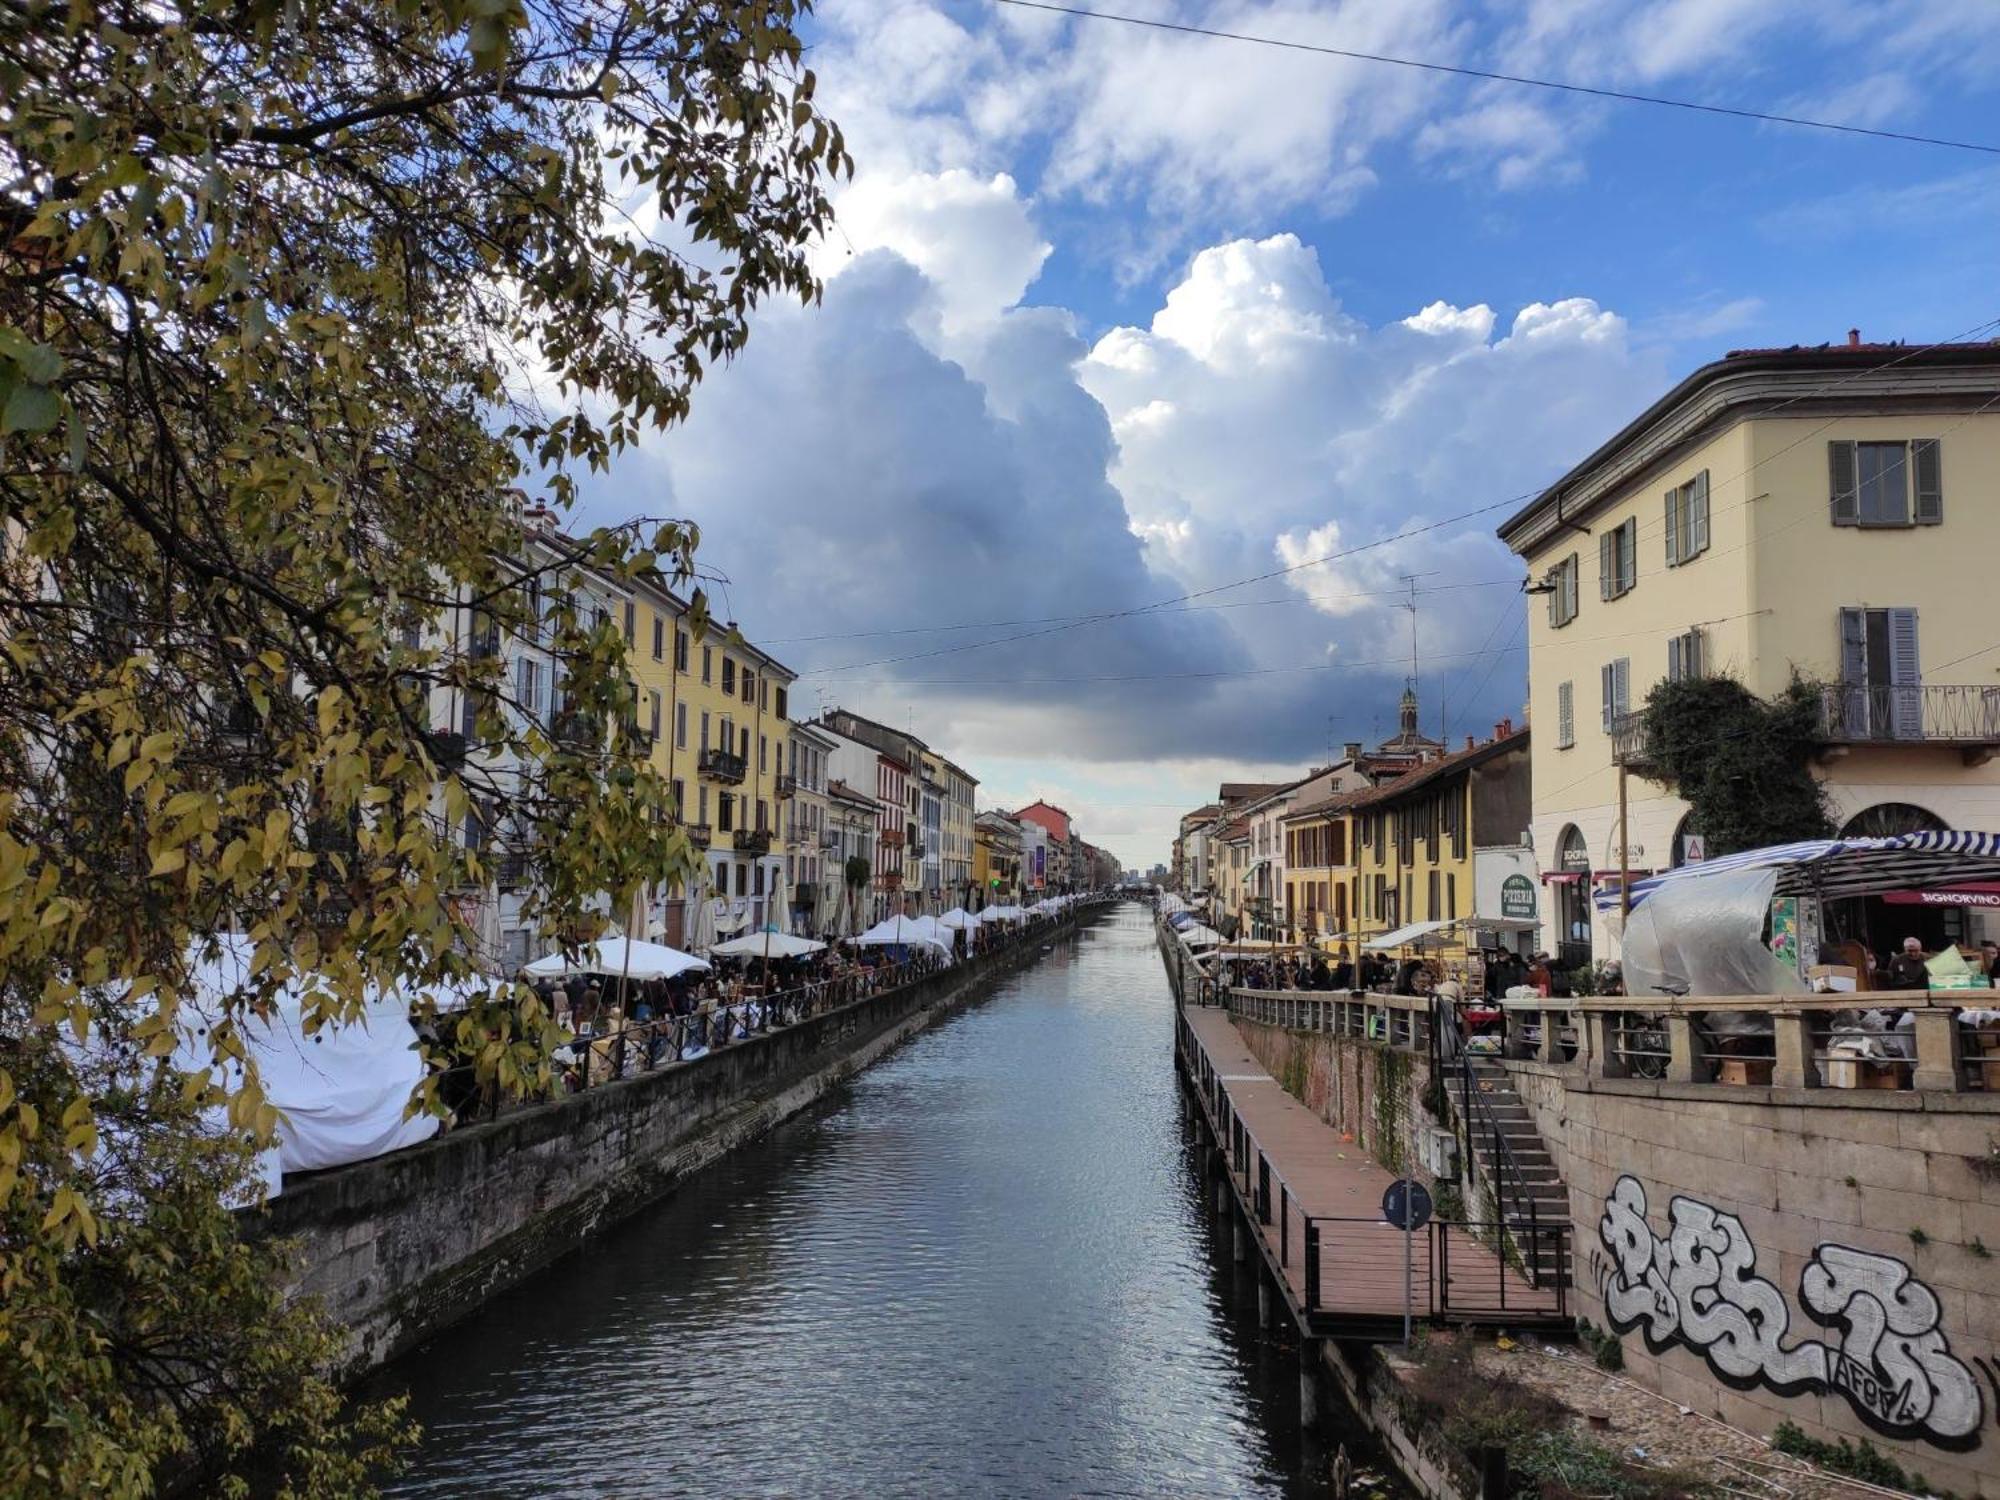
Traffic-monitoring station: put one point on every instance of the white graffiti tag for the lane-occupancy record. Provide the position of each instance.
(1699, 1287)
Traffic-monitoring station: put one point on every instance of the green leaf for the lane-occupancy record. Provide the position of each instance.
(30, 408)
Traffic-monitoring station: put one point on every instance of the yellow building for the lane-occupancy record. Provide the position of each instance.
(720, 720)
(1414, 839)
(1828, 511)
(1320, 873)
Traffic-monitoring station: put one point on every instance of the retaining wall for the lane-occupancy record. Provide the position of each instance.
(1827, 1257)
(401, 1246)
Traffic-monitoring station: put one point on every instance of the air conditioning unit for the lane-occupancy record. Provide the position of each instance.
(1438, 1151)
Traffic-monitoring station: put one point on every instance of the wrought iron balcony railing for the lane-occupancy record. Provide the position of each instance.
(787, 785)
(753, 841)
(720, 765)
(1961, 714)
(699, 834)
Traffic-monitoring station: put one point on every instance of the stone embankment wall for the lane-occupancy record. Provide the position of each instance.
(1826, 1257)
(1371, 1093)
(404, 1245)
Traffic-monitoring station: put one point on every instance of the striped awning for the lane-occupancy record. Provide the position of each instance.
(1834, 868)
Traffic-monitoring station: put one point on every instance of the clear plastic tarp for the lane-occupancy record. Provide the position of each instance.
(1706, 937)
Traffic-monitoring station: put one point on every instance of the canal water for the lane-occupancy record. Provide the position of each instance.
(983, 1268)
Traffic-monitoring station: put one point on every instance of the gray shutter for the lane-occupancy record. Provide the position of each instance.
(1607, 562)
(1926, 463)
(1854, 672)
(1698, 507)
(1673, 529)
(1676, 662)
(1565, 714)
(1628, 554)
(1905, 676)
(1572, 575)
(1607, 688)
(1845, 488)
(1620, 672)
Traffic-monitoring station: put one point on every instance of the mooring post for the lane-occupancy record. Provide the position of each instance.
(1309, 1378)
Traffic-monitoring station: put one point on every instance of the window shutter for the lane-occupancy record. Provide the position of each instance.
(1905, 676)
(1607, 562)
(1619, 674)
(1926, 462)
(1841, 477)
(1675, 669)
(1607, 683)
(1565, 714)
(1628, 554)
(1698, 514)
(1694, 655)
(1673, 528)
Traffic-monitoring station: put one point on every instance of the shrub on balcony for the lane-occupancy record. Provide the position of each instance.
(1742, 764)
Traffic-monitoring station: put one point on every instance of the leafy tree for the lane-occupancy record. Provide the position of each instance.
(298, 300)
(1743, 765)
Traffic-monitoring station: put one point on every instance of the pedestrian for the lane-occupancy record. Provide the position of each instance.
(1906, 969)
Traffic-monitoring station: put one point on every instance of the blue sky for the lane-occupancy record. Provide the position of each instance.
(1115, 316)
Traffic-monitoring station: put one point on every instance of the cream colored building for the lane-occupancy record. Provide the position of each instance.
(1829, 511)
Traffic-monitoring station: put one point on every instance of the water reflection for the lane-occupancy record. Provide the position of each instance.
(985, 1268)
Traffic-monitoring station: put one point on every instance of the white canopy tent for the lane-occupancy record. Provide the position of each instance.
(958, 919)
(1003, 914)
(1201, 937)
(1411, 933)
(629, 958)
(766, 945)
(900, 931)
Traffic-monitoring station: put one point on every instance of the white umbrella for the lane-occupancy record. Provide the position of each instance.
(1002, 914)
(958, 917)
(781, 945)
(627, 957)
(909, 931)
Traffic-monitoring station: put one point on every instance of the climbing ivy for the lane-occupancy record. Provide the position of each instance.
(1742, 764)
(1392, 1077)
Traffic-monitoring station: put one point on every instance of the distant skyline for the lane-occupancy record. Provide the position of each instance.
(1116, 317)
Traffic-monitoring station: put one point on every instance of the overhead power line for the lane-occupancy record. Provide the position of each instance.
(1487, 75)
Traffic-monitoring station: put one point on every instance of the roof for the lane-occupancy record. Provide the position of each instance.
(1438, 770)
(1733, 387)
(1337, 802)
(1239, 791)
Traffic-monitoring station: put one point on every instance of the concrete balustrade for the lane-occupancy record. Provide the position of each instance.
(1617, 1037)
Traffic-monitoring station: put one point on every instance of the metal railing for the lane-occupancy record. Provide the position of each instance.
(1945, 713)
(721, 765)
(1520, 1220)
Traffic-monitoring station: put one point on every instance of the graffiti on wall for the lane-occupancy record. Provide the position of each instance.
(1698, 1287)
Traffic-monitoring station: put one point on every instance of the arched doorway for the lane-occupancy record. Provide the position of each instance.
(1873, 921)
(1887, 819)
(1572, 899)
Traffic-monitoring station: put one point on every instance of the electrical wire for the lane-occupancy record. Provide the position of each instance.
(1486, 75)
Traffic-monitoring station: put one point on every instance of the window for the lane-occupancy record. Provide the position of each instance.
(1615, 680)
(1687, 520)
(725, 812)
(1435, 884)
(742, 878)
(757, 879)
(764, 693)
(1565, 715)
(1561, 583)
(749, 686)
(1881, 674)
(763, 752)
(659, 638)
(763, 816)
(1618, 559)
(680, 726)
(701, 802)
(1451, 896)
(729, 674)
(708, 664)
(727, 735)
(653, 715)
(680, 650)
(782, 706)
(631, 623)
(1874, 484)
(1687, 655)
(745, 750)
(528, 686)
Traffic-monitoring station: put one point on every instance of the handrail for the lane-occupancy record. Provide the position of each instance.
(1509, 1171)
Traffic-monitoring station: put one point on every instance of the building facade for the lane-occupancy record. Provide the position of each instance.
(996, 861)
(1824, 512)
(808, 873)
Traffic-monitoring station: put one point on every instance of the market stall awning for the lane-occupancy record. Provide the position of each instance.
(629, 958)
(766, 944)
(1499, 924)
(1408, 934)
(1833, 868)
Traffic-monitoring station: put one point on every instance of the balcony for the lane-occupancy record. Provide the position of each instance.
(787, 785)
(720, 765)
(805, 895)
(752, 841)
(890, 838)
(699, 834)
(1961, 715)
(888, 880)
(916, 851)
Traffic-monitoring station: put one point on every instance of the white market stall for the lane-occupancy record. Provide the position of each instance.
(626, 958)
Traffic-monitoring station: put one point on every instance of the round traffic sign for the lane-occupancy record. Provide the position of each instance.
(1407, 1204)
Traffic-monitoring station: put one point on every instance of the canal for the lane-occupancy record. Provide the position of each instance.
(982, 1268)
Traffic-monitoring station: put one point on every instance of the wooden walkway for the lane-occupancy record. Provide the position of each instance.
(1315, 1203)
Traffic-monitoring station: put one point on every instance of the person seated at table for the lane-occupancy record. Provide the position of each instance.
(1906, 969)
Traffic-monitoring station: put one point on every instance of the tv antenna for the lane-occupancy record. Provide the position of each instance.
(1411, 605)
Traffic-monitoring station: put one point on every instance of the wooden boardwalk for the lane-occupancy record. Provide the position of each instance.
(1315, 1204)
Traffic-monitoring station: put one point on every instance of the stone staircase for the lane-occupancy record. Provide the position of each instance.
(1518, 1174)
